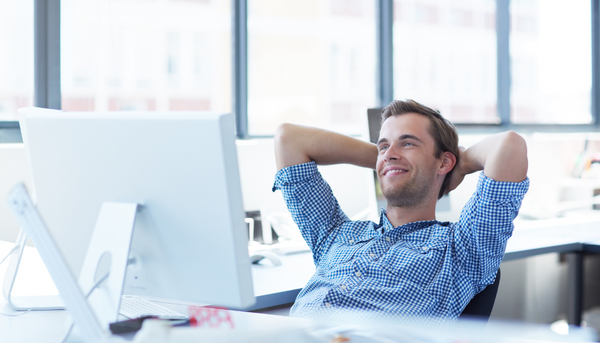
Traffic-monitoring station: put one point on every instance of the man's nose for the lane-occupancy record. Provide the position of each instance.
(391, 154)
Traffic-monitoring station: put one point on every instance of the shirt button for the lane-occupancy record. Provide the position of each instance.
(343, 287)
(327, 304)
(372, 255)
(359, 274)
(425, 249)
(387, 239)
(351, 241)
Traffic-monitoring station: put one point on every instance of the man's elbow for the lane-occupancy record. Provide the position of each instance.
(514, 138)
(283, 134)
(288, 145)
(515, 148)
(286, 139)
(515, 143)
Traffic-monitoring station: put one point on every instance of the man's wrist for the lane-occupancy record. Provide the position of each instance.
(468, 164)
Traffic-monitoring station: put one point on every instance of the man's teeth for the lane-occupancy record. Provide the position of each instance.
(395, 171)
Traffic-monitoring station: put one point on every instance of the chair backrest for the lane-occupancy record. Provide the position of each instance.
(481, 305)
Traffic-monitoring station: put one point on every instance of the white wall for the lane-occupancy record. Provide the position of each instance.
(353, 187)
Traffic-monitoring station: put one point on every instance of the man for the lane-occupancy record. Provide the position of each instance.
(408, 264)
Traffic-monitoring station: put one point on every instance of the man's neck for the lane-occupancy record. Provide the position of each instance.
(399, 216)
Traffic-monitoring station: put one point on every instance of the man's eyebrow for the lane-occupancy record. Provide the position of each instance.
(408, 136)
(402, 137)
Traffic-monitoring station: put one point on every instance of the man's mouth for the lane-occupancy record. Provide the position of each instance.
(394, 171)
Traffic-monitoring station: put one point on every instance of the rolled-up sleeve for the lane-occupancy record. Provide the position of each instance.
(485, 225)
(312, 204)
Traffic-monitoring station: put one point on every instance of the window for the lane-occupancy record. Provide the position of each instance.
(551, 61)
(445, 57)
(311, 62)
(16, 59)
(146, 55)
(495, 62)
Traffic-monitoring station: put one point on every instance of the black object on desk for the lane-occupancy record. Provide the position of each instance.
(134, 325)
(130, 325)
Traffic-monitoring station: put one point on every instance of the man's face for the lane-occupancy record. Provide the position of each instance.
(406, 165)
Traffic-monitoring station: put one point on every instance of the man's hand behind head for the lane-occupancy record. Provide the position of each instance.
(502, 157)
(459, 172)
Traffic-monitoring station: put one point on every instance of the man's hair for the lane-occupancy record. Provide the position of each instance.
(442, 130)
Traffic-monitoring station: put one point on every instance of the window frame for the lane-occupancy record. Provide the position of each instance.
(47, 90)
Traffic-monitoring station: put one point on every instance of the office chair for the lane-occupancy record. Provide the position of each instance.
(480, 307)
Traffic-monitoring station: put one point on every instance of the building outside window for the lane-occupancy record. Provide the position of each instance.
(311, 62)
(16, 57)
(551, 62)
(445, 57)
(146, 55)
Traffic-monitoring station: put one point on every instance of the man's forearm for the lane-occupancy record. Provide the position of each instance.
(502, 157)
(296, 144)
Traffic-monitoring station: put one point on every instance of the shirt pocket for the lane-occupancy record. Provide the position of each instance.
(343, 251)
(419, 262)
(428, 248)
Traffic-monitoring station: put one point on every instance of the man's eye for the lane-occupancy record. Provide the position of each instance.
(383, 147)
(408, 144)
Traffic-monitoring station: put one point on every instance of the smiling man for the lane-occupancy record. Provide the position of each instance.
(407, 265)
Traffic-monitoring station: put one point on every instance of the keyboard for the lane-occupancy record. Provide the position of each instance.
(135, 307)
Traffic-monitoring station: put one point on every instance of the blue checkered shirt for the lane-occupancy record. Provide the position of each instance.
(422, 269)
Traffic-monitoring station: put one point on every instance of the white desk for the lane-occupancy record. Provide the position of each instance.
(274, 286)
(571, 236)
(280, 285)
(48, 326)
(563, 235)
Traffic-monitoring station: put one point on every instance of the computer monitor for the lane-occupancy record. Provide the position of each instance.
(190, 241)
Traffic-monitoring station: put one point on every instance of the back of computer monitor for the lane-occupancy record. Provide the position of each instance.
(189, 242)
(374, 119)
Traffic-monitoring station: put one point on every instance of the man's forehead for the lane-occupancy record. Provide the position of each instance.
(405, 124)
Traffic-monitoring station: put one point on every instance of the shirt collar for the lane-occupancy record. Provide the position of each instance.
(386, 225)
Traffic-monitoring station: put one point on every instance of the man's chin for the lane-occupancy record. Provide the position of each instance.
(403, 196)
(394, 197)
(391, 191)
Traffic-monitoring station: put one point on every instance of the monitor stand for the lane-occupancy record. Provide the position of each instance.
(109, 261)
(29, 302)
(108, 252)
(106, 259)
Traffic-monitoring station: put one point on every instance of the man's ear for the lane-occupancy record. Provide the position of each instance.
(448, 162)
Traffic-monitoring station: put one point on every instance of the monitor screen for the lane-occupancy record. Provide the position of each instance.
(190, 241)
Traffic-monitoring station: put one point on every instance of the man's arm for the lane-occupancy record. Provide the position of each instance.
(296, 144)
(485, 223)
(309, 198)
(502, 157)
